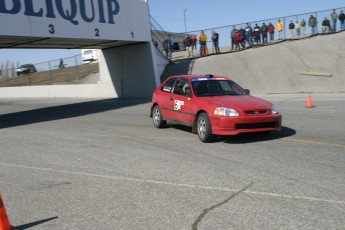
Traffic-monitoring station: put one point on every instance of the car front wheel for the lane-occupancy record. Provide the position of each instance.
(157, 118)
(204, 128)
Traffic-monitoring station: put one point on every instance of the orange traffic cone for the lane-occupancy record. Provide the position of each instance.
(4, 222)
(309, 102)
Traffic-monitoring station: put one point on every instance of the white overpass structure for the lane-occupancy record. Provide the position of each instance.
(120, 28)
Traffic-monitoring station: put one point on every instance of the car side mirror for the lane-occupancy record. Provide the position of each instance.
(247, 91)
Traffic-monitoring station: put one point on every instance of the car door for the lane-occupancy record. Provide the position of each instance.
(180, 101)
(165, 96)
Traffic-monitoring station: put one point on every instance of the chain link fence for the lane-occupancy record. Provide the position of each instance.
(225, 40)
(71, 70)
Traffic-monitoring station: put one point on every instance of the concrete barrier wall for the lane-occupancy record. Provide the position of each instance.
(129, 70)
(71, 91)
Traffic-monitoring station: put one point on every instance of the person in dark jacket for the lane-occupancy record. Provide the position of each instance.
(326, 26)
(257, 34)
(264, 31)
(312, 23)
(215, 39)
(187, 42)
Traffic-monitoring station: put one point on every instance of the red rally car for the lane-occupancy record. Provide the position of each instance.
(212, 105)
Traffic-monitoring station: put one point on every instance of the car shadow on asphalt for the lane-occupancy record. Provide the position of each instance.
(245, 137)
(67, 111)
(34, 224)
(257, 137)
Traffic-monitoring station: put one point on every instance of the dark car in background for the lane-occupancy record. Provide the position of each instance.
(26, 69)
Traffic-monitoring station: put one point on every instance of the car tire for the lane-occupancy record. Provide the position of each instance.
(204, 128)
(157, 119)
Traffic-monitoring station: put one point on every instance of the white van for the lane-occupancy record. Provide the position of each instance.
(89, 55)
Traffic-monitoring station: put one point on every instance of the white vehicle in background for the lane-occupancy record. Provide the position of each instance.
(89, 55)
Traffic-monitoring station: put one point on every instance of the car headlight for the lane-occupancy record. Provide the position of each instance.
(226, 112)
(274, 110)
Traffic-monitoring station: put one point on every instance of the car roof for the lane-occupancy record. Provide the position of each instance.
(199, 76)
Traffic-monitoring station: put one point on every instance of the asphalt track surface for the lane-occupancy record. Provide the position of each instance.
(100, 164)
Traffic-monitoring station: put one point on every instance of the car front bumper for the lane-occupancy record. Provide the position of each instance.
(247, 124)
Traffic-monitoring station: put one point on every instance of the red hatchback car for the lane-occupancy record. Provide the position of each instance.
(212, 105)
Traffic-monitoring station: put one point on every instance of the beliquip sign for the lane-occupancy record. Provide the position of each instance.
(126, 20)
(68, 10)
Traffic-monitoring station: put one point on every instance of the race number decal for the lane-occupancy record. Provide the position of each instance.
(178, 104)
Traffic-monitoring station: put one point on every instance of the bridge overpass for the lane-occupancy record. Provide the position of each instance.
(120, 28)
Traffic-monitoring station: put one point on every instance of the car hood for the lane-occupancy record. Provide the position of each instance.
(239, 102)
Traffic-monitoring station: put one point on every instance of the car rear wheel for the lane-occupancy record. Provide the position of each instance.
(204, 128)
(157, 118)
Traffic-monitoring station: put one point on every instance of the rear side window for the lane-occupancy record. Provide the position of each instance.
(168, 86)
(181, 86)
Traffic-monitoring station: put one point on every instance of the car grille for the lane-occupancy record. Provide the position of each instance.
(256, 112)
(256, 125)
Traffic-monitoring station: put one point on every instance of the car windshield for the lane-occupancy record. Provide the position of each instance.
(215, 87)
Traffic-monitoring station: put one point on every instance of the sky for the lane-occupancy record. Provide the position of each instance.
(192, 15)
(205, 14)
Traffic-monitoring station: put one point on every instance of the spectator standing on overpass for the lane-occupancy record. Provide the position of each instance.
(312, 23)
(238, 39)
(326, 26)
(264, 31)
(303, 27)
(257, 34)
(194, 41)
(341, 19)
(280, 27)
(243, 37)
(187, 42)
(271, 31)
(248, 35)
(298, 28)
(334, 17)
(203, 43)
(215, 39)
(166, 46)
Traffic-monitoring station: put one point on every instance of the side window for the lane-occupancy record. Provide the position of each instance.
(182, 87)
(167, 87)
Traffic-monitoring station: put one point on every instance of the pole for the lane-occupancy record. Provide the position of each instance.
(185, 23)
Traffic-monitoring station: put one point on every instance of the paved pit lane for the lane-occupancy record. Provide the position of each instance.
(101, 164)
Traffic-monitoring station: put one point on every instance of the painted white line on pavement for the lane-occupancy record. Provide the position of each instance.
(173, 184)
